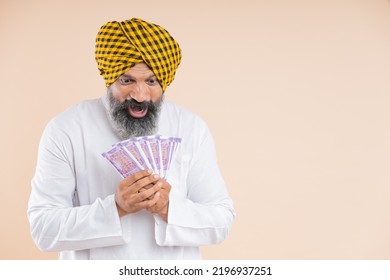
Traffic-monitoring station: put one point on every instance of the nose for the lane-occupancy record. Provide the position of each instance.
(139, 93)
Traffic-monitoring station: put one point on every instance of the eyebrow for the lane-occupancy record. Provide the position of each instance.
(131, 77)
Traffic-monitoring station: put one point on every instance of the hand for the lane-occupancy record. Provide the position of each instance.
(130, 199)
(161, 206)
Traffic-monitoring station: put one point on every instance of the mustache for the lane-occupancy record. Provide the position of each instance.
(134, 103)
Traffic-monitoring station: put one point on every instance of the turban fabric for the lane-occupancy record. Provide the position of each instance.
(121, 45)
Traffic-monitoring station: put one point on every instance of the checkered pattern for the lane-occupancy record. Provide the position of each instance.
(121, 45)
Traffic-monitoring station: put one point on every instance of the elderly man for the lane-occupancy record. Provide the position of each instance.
(81, 207)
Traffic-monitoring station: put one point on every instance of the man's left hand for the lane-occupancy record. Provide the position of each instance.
(161, 206)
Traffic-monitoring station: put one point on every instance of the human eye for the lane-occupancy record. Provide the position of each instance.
(152, 81)
(125, 80)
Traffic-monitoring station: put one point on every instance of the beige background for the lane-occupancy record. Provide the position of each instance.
(296, 93)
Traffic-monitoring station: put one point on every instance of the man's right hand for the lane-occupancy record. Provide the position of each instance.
(133, 192)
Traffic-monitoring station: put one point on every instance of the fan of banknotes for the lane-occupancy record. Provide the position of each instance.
(149, 152)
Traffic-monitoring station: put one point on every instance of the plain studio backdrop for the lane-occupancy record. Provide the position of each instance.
(295, 92)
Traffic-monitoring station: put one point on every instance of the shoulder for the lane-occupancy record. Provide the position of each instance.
(78, 111)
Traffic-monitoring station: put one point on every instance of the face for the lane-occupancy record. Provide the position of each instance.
(135, 101)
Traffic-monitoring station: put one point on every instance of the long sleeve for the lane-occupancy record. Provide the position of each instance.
(57, 223)
(200, 209)
(72, 207)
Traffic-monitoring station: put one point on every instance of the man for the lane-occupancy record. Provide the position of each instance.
(82, 208)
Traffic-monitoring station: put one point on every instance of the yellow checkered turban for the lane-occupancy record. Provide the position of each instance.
(121, 45)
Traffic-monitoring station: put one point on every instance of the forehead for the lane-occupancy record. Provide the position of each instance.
(139, 70)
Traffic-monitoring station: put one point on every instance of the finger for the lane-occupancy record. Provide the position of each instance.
(146, 188)
(128, 181)
(156, 207)
(146, 204)
(144, 182)
(129, 193)
(165, 189)
(165, 185)
(162, 202)
(141, 196)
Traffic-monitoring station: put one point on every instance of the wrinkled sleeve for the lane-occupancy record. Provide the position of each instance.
(201, 213)
(56, 222)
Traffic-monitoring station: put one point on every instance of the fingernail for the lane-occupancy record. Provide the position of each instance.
(155, 176)
(150, 171)
(158, 194)
(159, 184)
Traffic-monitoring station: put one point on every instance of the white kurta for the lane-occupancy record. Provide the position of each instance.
(72, 208)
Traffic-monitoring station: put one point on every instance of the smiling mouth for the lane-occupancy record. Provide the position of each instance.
(138, 111)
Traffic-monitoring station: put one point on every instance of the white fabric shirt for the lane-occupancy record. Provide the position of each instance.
(72, 207)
